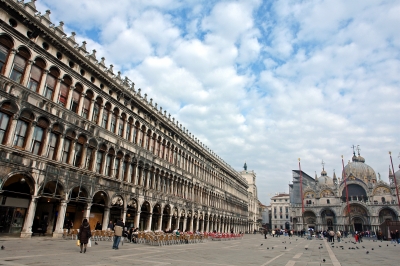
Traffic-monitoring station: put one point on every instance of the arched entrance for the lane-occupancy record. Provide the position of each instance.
(175, 220)
(310, 220)
(387, 214)
(131, 213)
(359, 218)
(165, 218)
(189, 221)
(77, 200)
(144, 216)
(48, 207)
(117, 206)
(97, 211)
(156, 217)
(15, 198)
(328, 220)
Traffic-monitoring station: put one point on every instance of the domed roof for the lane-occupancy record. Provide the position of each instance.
(359, 169)
(324, 179)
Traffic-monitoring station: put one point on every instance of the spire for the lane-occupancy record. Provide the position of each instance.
(245, 166)
(334, 175)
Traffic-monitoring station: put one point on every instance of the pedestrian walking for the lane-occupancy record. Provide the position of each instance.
(84, 235)
(118, 229)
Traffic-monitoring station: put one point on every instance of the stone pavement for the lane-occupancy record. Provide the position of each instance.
(248, 251)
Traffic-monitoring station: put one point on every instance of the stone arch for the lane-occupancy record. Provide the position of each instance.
(25, 183)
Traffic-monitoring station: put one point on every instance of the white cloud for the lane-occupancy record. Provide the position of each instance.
(262, 82)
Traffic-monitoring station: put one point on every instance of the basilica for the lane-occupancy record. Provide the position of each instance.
(78, 140)
(371, 200)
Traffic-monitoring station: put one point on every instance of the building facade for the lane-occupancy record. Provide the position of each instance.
(78, 141)
(372, 201)
(280, 211)
(254, 220)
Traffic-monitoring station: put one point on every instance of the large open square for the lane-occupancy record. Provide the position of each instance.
(251, 250)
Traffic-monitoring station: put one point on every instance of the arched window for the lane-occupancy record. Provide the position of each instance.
(129, 128)
(36, 74)
(22, 128)
(121, 124)
(76, 96)
(54, 140)
(117, 164)
(100, 156)
(86, 104)
(328, 201)
(79, 146)
(38, 136)
(383, 199)
(153, 144)
(19, 64)
(147, 141)
(51, 81)
(106, 114)
(96, 110)
(6, 44)
(64, 90)
(135, 133)
(7, 110)
(90, 153)
(113, 124)
(66, 151)
(109, 164)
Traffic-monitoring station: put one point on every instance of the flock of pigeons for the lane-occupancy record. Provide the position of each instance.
(338, 246)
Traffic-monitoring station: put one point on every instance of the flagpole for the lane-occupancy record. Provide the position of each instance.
(395, 181)
(302, 196)
(347, 192)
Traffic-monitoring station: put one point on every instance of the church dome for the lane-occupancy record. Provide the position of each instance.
(359, 169)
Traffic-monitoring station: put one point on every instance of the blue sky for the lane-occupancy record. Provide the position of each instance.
(264, 82)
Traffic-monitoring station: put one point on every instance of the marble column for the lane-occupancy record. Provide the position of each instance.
(86, 213)
(30, 216)
(123, 215)
(169, 222)
(106, 218)
(160, 222)
(149, 220)
(184, 224)
(137, 219)
(60, 220)
(191, 224)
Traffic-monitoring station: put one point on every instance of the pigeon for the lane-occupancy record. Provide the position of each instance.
(95, 243)
(261, 244)
(372, 248)
(272, 248)
(323, 260)
(364, 247)
(387, 245)
(285, 247)
(367, 252)
(267, 248)
(306, 248)
(357, 248)
(394, 245)
(380, 246)
(2, 247)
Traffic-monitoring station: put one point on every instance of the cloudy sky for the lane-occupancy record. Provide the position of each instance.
(266, 82)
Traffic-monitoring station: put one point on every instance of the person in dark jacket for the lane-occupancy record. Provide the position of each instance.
(98, 226)
(84, 234)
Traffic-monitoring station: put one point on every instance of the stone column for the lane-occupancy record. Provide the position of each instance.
(149, 220)
(30, 216)
(184, 224)
(123, 215)
(27, 72)
(11, 131)
(57, 91)
(45, 141)
(60, 148)
(101, 110)
(42, 82)
(60, 220)
(169, 222)
(28, 141)
(177, 223)
(191, 224)
(90, 115)
(86, 214)
(197, 224)
(69, 98)
(80, 105)
(72, 152)
(106, 218)
(137, 219)
(10, 62)
(160, 222)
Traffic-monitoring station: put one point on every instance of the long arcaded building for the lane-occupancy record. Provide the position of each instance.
(77, 140)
